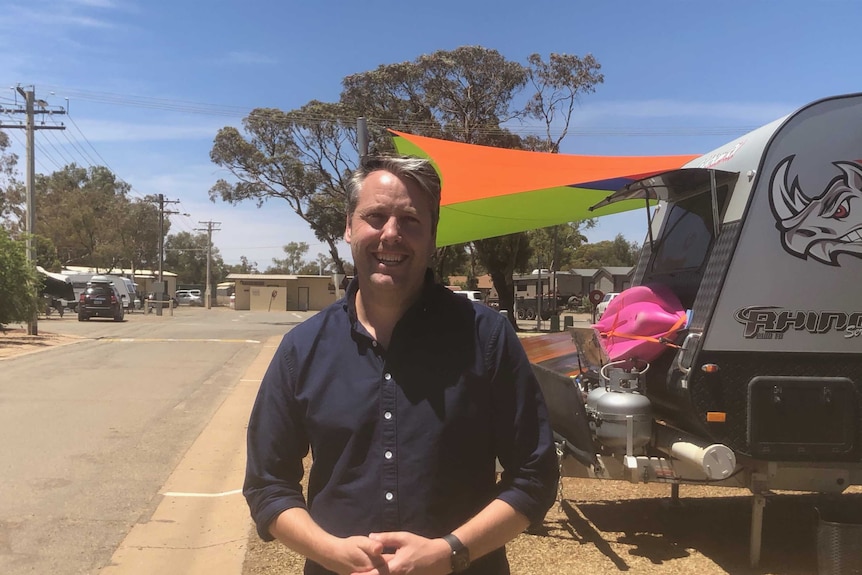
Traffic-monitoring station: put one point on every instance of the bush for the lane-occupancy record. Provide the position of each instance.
(18, 299)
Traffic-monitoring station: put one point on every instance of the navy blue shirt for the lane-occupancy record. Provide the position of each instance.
(405, 438)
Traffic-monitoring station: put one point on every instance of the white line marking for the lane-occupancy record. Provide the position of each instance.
(185, 494)
(176, 340)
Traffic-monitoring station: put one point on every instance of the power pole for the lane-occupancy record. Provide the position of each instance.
(209, 230)
(29, 109)
(161, 286)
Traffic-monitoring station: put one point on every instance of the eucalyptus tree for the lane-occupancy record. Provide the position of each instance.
(245, 266)
(303, 157)
(138, 236)
(616, 252)
(293, 261)
(464, 95)
(87, 215)
(186, 256)
(12, 191)
(554, 247)
(470, 94)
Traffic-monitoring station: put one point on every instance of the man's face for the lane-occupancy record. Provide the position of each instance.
(391, 236)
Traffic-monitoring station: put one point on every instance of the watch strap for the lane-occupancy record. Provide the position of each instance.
(460, 556)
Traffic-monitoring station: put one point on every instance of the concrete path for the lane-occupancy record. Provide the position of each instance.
(201, 526)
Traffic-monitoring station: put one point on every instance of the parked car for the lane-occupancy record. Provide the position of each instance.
(189, 297)
(471, 295)
(100, 299)
(153, 303)
(603, 305)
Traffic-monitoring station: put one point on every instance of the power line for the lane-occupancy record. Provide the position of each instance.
(384, 122)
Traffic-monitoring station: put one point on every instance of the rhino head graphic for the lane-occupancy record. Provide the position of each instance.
(820, 227)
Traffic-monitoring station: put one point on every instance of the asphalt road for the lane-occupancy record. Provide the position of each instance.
(91, 431)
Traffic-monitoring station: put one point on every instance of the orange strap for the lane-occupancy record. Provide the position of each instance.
(655, 339)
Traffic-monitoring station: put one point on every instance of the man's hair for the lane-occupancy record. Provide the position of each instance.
(417, 170)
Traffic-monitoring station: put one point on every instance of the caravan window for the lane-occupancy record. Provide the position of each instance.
(687, 233)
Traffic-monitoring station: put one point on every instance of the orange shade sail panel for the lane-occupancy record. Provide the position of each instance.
(489, 192)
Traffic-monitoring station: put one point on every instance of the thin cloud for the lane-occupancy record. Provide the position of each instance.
(104, 4)
(249, 58)
(742, 112)
(51, 16)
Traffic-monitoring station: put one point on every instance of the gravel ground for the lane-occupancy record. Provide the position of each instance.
(603, 526)
(606, 526)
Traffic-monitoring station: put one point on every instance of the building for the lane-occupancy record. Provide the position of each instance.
(284, 292)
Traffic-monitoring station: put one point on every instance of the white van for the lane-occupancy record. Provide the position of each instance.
(471, 295)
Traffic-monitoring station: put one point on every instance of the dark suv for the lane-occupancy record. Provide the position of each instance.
(100, 300)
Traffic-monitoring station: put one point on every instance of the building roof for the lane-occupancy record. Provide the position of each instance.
(117, 271)
(274, 276)
(619, 270)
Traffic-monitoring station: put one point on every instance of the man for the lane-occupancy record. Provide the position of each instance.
(407, 395)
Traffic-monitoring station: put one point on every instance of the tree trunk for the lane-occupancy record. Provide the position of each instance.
(506, 294)
(336, 260)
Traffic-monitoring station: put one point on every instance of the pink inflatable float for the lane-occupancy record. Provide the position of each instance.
(641, 323)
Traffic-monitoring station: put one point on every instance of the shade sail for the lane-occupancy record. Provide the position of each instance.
(489, 192)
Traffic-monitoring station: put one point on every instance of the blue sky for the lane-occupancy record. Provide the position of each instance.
(149, 83)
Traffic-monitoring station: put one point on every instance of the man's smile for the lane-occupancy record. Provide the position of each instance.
(390, 259)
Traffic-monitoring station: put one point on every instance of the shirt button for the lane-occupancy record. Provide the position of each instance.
(387, 376)
(387, 415)
(373, 344)
(388, 455)
(390, 496)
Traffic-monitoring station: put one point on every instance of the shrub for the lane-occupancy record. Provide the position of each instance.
(18, 299)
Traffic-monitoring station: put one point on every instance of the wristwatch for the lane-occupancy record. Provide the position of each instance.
(460, 554)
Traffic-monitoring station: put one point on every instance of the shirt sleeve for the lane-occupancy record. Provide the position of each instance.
(526, 449)
(276, 445)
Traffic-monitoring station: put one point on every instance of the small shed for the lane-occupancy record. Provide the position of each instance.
(283, 292)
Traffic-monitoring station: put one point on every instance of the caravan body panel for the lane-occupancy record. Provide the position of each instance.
(790, 286)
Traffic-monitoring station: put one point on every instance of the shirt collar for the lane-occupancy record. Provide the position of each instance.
(423, 304)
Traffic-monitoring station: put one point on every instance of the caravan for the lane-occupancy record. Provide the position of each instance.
(736, 358)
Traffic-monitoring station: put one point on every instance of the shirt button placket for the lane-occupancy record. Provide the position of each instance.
(389, 445)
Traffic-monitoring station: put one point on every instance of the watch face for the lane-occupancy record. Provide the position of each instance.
(460, 560)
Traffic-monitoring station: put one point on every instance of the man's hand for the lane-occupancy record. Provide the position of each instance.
(355, 555)
(410, 553)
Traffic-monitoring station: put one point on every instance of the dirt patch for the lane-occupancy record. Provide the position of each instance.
(615, 526)
(15, 342)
